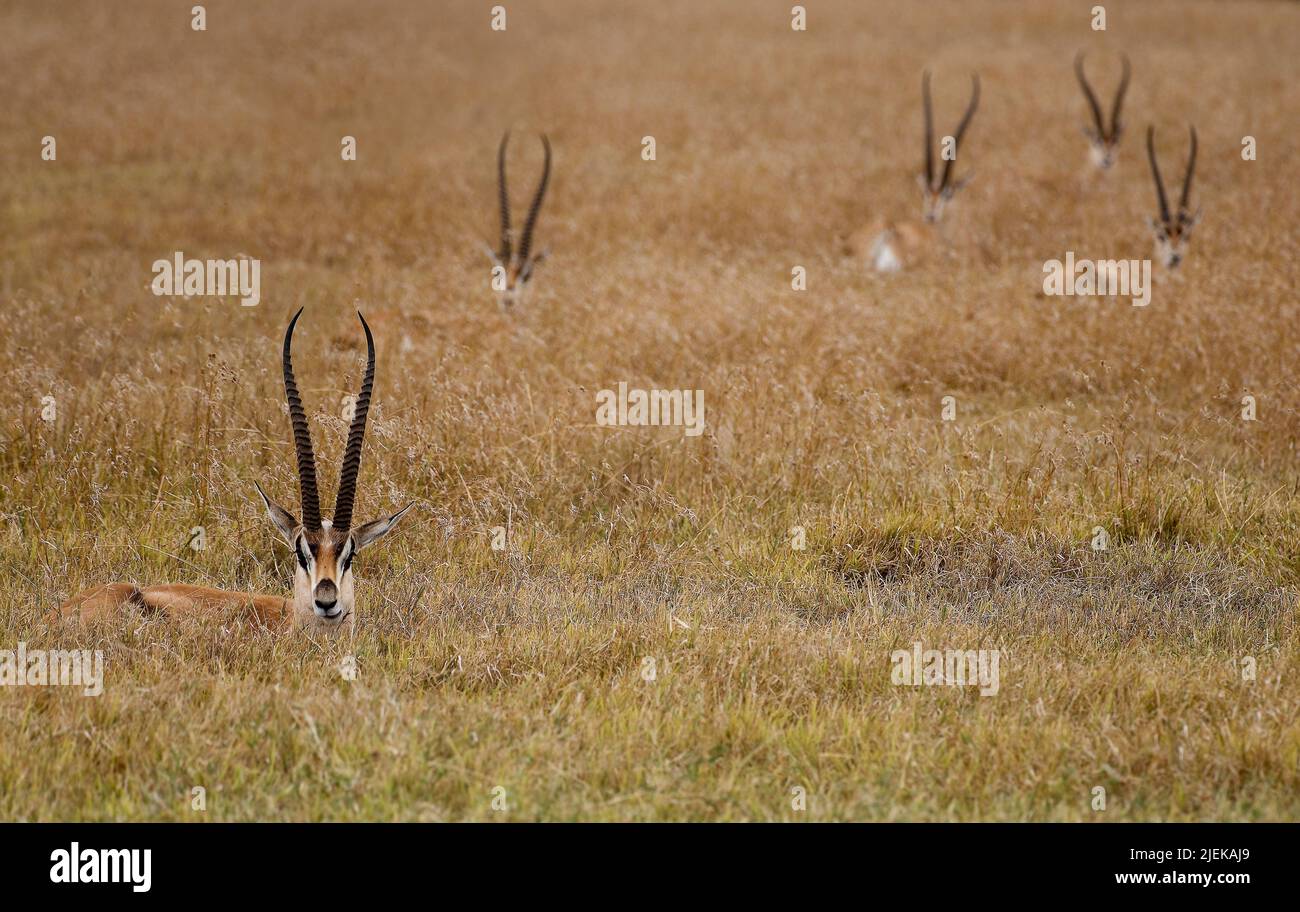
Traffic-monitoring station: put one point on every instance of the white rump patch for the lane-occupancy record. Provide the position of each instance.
(883, 258)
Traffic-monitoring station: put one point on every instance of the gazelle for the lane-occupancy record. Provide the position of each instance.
(1104, 140)
(890, 245)
(1172, 232)
(516, 263)
(323, 595)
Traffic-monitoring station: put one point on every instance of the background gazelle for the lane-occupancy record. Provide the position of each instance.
(517, 262)
(1172, 231)
(890, 245)
(323, 595)
(1103, 139)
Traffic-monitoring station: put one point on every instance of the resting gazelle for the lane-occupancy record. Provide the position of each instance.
(323, 596)
(890, 245)
(1103, 139)
(1172, 231)
(513, 265)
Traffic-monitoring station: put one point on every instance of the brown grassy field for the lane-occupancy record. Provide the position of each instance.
(479, 669)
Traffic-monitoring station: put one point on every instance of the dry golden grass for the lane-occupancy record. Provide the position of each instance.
(523, 670)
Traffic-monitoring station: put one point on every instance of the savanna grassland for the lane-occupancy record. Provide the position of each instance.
(1121, 668)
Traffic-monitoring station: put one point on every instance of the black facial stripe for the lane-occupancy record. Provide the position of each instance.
(302, 558)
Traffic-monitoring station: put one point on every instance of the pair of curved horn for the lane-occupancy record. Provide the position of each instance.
(311, 518)
(929, 131)
(534, 210)
(1108, 135)
(1160, 184)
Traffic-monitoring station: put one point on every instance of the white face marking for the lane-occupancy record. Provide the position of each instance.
(323, 583)
(1104, 154)
(516, 283)
(1171, 240)
(323, 586)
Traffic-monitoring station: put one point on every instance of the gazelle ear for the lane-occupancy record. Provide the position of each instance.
(281, 518)
(372, 532)
(527, 272)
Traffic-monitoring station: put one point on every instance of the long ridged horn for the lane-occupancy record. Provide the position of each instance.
(503, 200)
(1119, 97)
(1155, 172)
(356, 436)
(1187, 178)
(961, 129)
(301, 438)
(526, 240)
(1090, 95)
(929, 130)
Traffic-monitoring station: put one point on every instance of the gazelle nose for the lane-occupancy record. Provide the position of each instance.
(327, 595)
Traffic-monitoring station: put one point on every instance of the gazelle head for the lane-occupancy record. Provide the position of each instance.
(1104, 140)
(1172, 231)
(936, 194)
(322, 582)
(513, 264)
